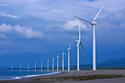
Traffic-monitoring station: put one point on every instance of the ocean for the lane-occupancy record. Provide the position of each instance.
(11, 75)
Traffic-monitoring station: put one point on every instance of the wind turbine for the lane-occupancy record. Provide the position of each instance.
(48, 64)
(53, 64)
(78, 44)
(69, 48)
(63, 61)
(28, 67)
(41, 65)
(57, 63)
(93, 23)
(20, 67)
(11, 67)
(35, 66)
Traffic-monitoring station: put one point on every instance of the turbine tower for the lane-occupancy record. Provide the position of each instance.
(28, 67)
(69, 48)
(63, 61)
(53, 64)
(57, 63)
(48, 64)
(93, 23)
(78, 42)
(41, 65)
(11, 67)
(35, 66)
(20, 67)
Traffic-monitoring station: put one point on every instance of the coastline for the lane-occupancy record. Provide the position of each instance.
(39, 75)
(84, 76)
(29, 76)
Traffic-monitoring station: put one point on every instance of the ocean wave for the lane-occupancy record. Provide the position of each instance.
(29, 76)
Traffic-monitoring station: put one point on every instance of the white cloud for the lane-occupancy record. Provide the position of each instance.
(60, 9)
(109, 5)
(5, 28)
(27, 32)
(73, 25)
(10, 16)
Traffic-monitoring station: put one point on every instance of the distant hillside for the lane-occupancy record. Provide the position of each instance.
(110, 64)
(117, 63)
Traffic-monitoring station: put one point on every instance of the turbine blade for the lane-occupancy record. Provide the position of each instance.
(82, 19)
(82, 46)
(78, 42)
(97, 14)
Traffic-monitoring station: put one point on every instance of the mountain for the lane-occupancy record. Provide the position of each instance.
(113, 63)
(109, 64)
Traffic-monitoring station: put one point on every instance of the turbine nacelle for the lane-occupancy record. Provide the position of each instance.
(68, 49)
(94, 23)
(63, 54)
(78, 42)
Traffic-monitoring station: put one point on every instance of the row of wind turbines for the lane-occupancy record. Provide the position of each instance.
(53, 67)
(93, 23)
(79, 43)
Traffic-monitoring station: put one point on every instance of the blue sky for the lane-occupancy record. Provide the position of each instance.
(31, 30)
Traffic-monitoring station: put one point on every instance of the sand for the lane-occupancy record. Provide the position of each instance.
(84, 76)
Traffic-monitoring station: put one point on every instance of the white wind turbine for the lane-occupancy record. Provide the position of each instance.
(69, 48)
(78, 44)
(11, 67)
(41, 65)
(53, 64)
(35, 66)
(63, 61)
(93, 23)
(57, 63)
(20, 67)
(28, 67)
(48, 64)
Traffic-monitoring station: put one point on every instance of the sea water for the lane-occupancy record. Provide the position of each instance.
(10, 75)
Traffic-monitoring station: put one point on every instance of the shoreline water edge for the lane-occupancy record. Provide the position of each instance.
(28, 76)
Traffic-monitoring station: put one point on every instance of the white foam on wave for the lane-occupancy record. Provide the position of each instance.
(29, 76)
(10, 78)
(17, 77)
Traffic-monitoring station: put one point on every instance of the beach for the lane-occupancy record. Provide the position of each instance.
(83, 76)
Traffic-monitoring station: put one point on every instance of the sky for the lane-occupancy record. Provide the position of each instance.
(34, 30)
